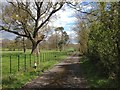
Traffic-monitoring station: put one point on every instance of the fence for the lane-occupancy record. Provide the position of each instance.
(12, 63)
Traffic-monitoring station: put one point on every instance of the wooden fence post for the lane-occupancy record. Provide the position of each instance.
(30, 60)
(10, 65)
(37, 59)
(43, 57)
(18, 62)
(49, 56)
(25, 62)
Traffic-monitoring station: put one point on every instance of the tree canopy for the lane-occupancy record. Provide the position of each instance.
(103, 44)
(28, 19)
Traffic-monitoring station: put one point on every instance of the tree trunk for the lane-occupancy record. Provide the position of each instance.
(24, 46)
(35, 49)
(36, 52)
(35, 46)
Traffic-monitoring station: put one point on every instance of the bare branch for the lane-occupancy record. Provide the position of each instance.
(27, 10)
(47, 19)
(14, 32)
(90, 20)
(79, 10)
(29, 13)
(47, 9)
(12, 3)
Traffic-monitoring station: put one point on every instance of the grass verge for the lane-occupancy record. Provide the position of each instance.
(94, 78)
(19, 78)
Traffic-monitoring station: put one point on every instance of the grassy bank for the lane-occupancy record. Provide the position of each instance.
(24, 72)
(94, 77)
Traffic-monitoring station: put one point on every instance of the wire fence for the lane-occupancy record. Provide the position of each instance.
(12, 63)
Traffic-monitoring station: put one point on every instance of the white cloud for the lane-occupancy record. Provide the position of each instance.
(65, 18)
(70, 32)
(87, 7)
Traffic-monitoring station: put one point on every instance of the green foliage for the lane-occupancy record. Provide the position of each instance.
(64, 38)
(94, 78)
(104, 41)
(82, 31)
(59, 29)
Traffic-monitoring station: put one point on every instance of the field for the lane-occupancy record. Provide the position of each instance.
(17, 67)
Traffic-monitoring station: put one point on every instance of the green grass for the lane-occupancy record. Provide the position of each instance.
(94, 77)
(16, 78)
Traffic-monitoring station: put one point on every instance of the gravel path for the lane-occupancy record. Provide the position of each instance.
(67, 74)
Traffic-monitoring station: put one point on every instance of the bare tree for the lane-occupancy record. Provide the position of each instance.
(27, 19)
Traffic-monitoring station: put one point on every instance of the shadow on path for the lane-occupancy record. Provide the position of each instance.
(67, 74)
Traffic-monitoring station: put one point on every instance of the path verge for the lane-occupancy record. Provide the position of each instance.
(66, 74)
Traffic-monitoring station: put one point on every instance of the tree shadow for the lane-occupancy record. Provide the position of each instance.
(71, 76)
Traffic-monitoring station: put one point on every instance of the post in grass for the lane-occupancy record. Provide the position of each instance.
(25, 62)
(35, 66)
(10, 65)
(18, 62)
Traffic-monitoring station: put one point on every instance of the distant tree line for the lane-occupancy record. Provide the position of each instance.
(17, 44)
(57, 41)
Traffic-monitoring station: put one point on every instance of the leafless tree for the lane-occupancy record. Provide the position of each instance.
(27, 19)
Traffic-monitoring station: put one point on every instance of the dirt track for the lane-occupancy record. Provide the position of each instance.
(67, 74)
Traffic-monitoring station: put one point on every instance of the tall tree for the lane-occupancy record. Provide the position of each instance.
(104, 40)
(64, 37)
(104, 37)
(82, 32)
(18, 42)
(27, 19)
(59, 43)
